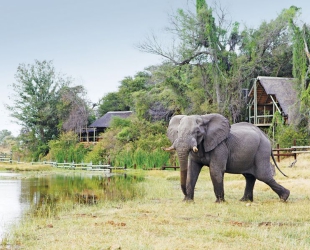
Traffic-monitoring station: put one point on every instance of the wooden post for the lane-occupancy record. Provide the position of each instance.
(255, 102)
(295, 155)
(273, 125)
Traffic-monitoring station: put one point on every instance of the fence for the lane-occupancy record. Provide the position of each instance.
(66, 165)
(80, 166)
(292, 151)
(4, 157)
(86, 166)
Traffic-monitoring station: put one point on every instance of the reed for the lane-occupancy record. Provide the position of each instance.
(141, 158)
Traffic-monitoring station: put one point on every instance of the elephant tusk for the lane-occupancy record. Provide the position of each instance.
(168, 149)
(195, 149)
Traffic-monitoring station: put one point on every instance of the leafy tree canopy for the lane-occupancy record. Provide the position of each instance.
(43, 103)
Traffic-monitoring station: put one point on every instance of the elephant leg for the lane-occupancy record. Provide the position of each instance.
(218, 186)
(183, 177)
(192, 176)
(249, 186)
(282, 192)
(217, 169)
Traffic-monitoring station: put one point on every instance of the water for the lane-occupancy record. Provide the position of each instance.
(44, 195)
(10, 205)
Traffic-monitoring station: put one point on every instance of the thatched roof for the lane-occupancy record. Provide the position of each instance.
(282, 88)
(104, 121)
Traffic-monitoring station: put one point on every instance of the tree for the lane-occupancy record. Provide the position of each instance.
(201, 43)
(226, 58)
(123, 99)
(6, 138)
(37, 94)
(3, 134)
(301, 70)
(130, 85)
(73, 108)
(111, 102)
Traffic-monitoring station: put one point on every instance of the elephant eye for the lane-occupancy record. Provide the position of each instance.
(199, 132)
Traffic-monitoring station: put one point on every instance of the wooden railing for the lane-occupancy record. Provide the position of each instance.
(292, 151)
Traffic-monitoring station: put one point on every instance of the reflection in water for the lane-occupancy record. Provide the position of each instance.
(50, 193)
(47, 195)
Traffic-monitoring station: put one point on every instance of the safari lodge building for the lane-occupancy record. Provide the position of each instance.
(269, 95)
(92, 132)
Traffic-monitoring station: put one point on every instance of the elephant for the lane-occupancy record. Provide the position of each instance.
(209, 140)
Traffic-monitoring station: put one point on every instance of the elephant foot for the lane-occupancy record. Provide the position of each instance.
(187, 199)
(247, 198)
(285, 195)
(219, 200)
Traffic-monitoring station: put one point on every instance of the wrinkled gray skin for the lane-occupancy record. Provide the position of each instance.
(208, 140)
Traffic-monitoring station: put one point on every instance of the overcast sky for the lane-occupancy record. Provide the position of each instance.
(93, 41)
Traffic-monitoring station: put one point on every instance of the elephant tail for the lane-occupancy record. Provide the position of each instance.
(274, 160)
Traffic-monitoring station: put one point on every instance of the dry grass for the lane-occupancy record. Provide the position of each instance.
(23, 167)
(161, 220)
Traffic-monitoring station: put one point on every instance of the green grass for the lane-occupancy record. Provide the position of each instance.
(160, 220)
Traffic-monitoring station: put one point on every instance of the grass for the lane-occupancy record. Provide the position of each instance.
(160, 220)
(24, 167)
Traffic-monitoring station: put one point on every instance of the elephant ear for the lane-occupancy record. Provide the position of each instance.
(172, 131)
(217, 130)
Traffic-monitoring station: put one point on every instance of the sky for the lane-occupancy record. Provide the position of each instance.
(94, 41)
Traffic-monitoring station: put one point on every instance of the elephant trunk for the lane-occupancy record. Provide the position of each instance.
(183, 147)
(183, 159)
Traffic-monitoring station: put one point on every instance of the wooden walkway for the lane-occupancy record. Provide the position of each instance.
(87, 166)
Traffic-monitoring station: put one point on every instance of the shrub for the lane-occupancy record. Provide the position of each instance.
(66, 148)
(97, 155)
(286, 134)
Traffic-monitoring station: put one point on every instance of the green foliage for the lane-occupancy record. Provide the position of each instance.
(222, 59)
(127, 135)
(40, 152)
(112, 102)
(301, 69)
(286, 134)
(150, 159)
(66, 148)
(124, 99)
(132, 142)
(142, 159)
(128, 131)
(200, 5)
(43, 103)
(118, 122)
(37, 94)
(268, 48)
(97, 155)
(130, 85)
(124, 158)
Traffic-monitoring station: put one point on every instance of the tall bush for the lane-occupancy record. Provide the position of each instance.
(286, 134)
(66, 148)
